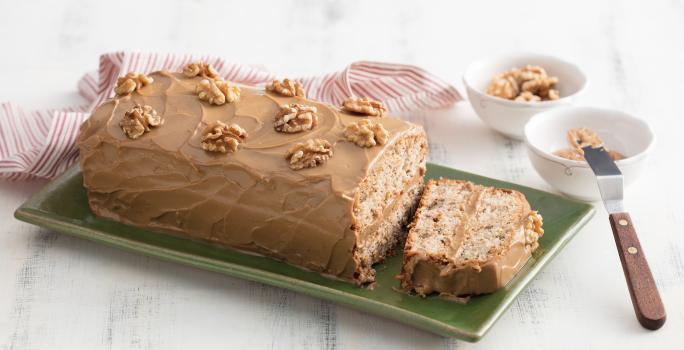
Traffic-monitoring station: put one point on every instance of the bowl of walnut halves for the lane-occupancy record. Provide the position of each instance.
(506, 91)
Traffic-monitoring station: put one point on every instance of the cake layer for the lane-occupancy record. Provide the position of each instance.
(468, 239)
(388, 233)
(249, 199)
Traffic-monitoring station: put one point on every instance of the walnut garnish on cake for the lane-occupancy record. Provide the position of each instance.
(217, 92)
(366, 133)
(131, 82)
(138, 120)
(529, 84)
(202, 69)
(364, 105)
(287, 88)
(223, 138)
(295, 117)
(310, 154)
(533, 229)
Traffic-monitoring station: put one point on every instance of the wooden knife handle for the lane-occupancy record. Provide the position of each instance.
(642, 288)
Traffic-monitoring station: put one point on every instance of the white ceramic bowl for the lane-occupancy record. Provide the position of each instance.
(546, 132)
(509, 117)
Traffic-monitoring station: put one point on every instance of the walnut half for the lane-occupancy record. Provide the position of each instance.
(220, 137)
(131, 82)
(295, 117)
(205, 70)
(505, 86)
(583, 137)
(364, 105)
(527, 96)
(310, 154)
(533, 229)
(366, 133)
(287, 88)
(138, 120)
(217, 92)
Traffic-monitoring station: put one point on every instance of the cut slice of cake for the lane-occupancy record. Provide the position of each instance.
(467, 239)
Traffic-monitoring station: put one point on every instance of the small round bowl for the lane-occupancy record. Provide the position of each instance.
(509, 117)
(546, 132)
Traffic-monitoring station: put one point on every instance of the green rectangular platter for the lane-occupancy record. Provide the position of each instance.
(62, 206)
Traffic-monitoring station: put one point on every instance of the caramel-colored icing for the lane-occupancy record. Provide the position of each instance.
(249, 200)
(470, 279)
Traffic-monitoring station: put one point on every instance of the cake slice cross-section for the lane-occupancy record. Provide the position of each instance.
(467, 239)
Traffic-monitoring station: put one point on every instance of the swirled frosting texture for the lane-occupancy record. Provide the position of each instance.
(250, 199)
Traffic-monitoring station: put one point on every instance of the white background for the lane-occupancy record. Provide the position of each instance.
(58, 292)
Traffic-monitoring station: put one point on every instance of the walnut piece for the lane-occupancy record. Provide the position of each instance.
(205, 70)
(364, 105)
(220, 137)
(583, 137)
(366, 133)
(529, 84)
(533, 229)
(570, 153)
(131, 82)
(504, 86)
(287, 88)
(527, 96)
(217, 92)
(138, 120)
(295, 117)
(312, 153)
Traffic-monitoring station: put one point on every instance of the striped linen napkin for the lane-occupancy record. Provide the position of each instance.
(42, 144)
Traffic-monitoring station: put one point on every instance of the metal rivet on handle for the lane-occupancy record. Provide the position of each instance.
(632, 250)
(623, 222)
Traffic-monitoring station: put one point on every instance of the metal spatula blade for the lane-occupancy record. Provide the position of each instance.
(648, 306)
(608, 177)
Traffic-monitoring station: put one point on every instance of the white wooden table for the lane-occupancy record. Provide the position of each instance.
(58, 292)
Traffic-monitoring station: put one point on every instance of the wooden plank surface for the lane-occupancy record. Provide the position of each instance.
(59, 292)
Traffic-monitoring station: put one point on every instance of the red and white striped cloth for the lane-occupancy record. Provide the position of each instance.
(41, 144)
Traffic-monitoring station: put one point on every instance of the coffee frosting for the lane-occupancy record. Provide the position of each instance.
(470, 279)
(249, 199)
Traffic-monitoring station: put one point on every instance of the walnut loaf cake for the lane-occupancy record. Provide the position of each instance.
(467, 239)
(264, 171)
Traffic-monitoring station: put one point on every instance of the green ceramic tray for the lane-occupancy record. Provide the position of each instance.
(62, 206)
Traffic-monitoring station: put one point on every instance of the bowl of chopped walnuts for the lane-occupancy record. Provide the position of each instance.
(506, 91)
